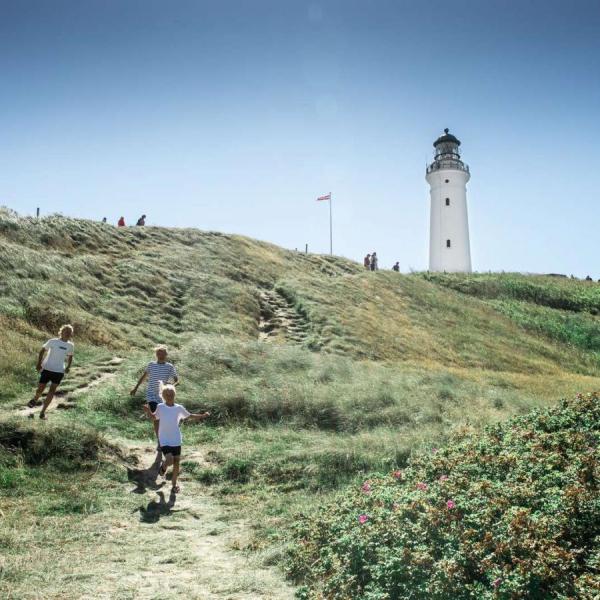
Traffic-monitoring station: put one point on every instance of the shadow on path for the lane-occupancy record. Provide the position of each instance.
(146, 478)
(155, 510)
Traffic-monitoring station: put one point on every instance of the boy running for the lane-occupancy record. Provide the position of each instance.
(156, 371)
(52, 366)
(168, 416)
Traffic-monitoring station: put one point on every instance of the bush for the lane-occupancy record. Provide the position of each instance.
(575, 296)
(513, 512)
(66, 446)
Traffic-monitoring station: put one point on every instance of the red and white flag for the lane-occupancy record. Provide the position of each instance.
(327, 197)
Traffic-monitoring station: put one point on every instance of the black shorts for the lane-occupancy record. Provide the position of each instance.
(52, 376)
(174, 450)
(152, 406)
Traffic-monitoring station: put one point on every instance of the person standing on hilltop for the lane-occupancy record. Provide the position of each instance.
(121, 222)
(51, 366)
(367, 262)
(396, 267)
(141, 221)
(156, 371)
(374, 265)
(167, 418)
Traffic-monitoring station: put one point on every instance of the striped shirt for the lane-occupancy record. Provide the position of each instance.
(156, 371)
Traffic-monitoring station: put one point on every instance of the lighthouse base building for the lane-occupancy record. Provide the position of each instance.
(447, 175)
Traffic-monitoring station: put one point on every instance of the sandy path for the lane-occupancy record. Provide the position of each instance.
(192, 545)
(184, 546)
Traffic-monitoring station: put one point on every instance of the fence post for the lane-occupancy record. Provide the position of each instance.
(37, 212)
(306, 249)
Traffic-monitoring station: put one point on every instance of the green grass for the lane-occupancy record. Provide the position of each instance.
(554, 292)
(391, 365)
(577, 329)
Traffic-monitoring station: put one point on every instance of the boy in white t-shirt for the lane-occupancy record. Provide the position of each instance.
(170, 416)
(51, 365)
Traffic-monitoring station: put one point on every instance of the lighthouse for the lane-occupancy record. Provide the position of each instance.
(447, 175)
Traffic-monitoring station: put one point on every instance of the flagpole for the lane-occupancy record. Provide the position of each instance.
(330, 227)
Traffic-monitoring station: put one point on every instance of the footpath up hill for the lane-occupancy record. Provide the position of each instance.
(315, 372)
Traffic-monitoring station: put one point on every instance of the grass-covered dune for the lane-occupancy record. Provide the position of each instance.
(354, 374)
(512, 512)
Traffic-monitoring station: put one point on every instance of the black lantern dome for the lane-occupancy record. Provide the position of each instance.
(447, 153)
(447, 137)
(446, 146)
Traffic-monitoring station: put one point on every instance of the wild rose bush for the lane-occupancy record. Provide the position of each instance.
(513, 512)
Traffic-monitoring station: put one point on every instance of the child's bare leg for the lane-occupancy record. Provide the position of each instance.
(175, 474)
(38, 393)
(48, 399)
(166, 463)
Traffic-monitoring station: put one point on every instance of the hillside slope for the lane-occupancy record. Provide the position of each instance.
(132, 287)
(314, 370)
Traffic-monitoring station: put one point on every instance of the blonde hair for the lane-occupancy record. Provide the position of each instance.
(63, 327)
(161, 347)
(166, 387)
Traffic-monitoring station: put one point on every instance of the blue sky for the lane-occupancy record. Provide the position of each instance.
(235, 116)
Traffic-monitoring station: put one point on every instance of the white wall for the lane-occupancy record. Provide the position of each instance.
(449, 222)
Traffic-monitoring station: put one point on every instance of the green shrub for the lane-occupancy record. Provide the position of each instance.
(67, 446)
(513, 512)
(559, 293)
(577, 329)
(238, 470)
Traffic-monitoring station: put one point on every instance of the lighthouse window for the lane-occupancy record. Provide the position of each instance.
(447, 243)
(446, 181)
(447, 201)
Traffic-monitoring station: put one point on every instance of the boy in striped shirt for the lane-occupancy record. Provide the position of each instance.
(155, 372)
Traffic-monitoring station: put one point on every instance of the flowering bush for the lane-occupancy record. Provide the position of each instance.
(513, 512)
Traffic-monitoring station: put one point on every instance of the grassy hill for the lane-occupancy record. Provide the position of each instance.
(315, 372)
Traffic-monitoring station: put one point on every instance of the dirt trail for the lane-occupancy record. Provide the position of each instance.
(171, 546)
(279, 319)
(78, 381)
(196, 537)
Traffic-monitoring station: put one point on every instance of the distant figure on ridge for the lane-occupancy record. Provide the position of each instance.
(374, 265)
(121, 222)
(52, 367)
(588, 278)
(141, 221)
(167, 418)
(367, 262)
(396, 267)
(104, 219)
(159, 370)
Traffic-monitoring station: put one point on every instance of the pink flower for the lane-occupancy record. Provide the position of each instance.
(450, 504)
(434, 450)
(366, 487)
(496, 583)
(397, 474)
(362, 519)
(422, 486)
(443, 478)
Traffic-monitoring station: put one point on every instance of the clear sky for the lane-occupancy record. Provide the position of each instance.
(235, 115)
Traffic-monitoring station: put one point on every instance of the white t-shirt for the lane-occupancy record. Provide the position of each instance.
(57, 355)
(169, 417)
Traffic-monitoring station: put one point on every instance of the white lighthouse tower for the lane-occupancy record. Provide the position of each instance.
(447, 175)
